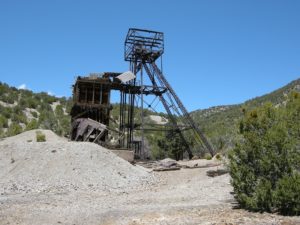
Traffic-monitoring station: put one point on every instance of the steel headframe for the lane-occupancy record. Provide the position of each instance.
(142, 49)
(143, 45)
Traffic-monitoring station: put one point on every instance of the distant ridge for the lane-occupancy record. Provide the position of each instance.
(220, 123)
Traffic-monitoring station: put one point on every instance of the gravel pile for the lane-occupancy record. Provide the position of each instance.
(27, 166)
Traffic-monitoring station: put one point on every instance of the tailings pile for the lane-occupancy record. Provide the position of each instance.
(57, 165)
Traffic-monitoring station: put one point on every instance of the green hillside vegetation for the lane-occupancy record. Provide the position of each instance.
(221, 123)
(264, 165)
(23, 110)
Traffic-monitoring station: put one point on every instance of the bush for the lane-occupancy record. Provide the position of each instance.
(40, 137)
(28, 102)
(287, 195)
(171, 145)
(59, 110)
(1, 133)
(207, 156)
(218, 157)
(65, 125)
(3, 122)
(34, 114)
(260, 165)
(9, 98)
(47, 120)
(19, 118)
(14, 129)
(6, 112)
(33, 124)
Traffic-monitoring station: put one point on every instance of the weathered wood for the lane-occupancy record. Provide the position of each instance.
(166, 169)
(203, 166)
(214, 173)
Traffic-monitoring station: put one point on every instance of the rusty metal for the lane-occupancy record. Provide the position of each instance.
(142, 49)
(86, 129)
(91, 108)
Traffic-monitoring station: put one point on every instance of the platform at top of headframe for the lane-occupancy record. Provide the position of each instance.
(143, 45)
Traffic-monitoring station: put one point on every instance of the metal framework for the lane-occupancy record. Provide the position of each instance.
(91, 99)
(143, 45)
(91, 109)
(142, 49)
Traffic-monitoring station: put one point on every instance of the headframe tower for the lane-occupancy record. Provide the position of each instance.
(142, 49)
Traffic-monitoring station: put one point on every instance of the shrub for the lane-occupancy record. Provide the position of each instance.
(19, 117)
(9, 98)
(59, 110)
(14, 129)
(1, 133)
(207, 156)
(30, 102)
(65, 125)
(3, 122)
(40, 137)
(22, 103)
(6, 112)
(218, 157)
(47, 120)
(34, 114)
(260, 165)
(287, 195)
(33, 124)
(171, 145)
(68, 106)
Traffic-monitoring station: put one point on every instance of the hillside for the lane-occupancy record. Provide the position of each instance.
(22, 110)
(221, 123)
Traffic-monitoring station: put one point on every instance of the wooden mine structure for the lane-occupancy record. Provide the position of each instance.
(91, 96)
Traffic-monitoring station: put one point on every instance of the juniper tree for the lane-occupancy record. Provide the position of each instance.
(264, 166)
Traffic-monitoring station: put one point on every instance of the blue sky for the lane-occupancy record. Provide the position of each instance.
(216, 52)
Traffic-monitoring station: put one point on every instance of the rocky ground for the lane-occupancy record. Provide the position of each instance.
(60, 182)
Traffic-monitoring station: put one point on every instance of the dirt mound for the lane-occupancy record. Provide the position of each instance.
(58, 166)
(30, 136)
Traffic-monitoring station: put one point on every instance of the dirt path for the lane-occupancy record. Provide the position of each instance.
(186, 196)
(177, 191)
